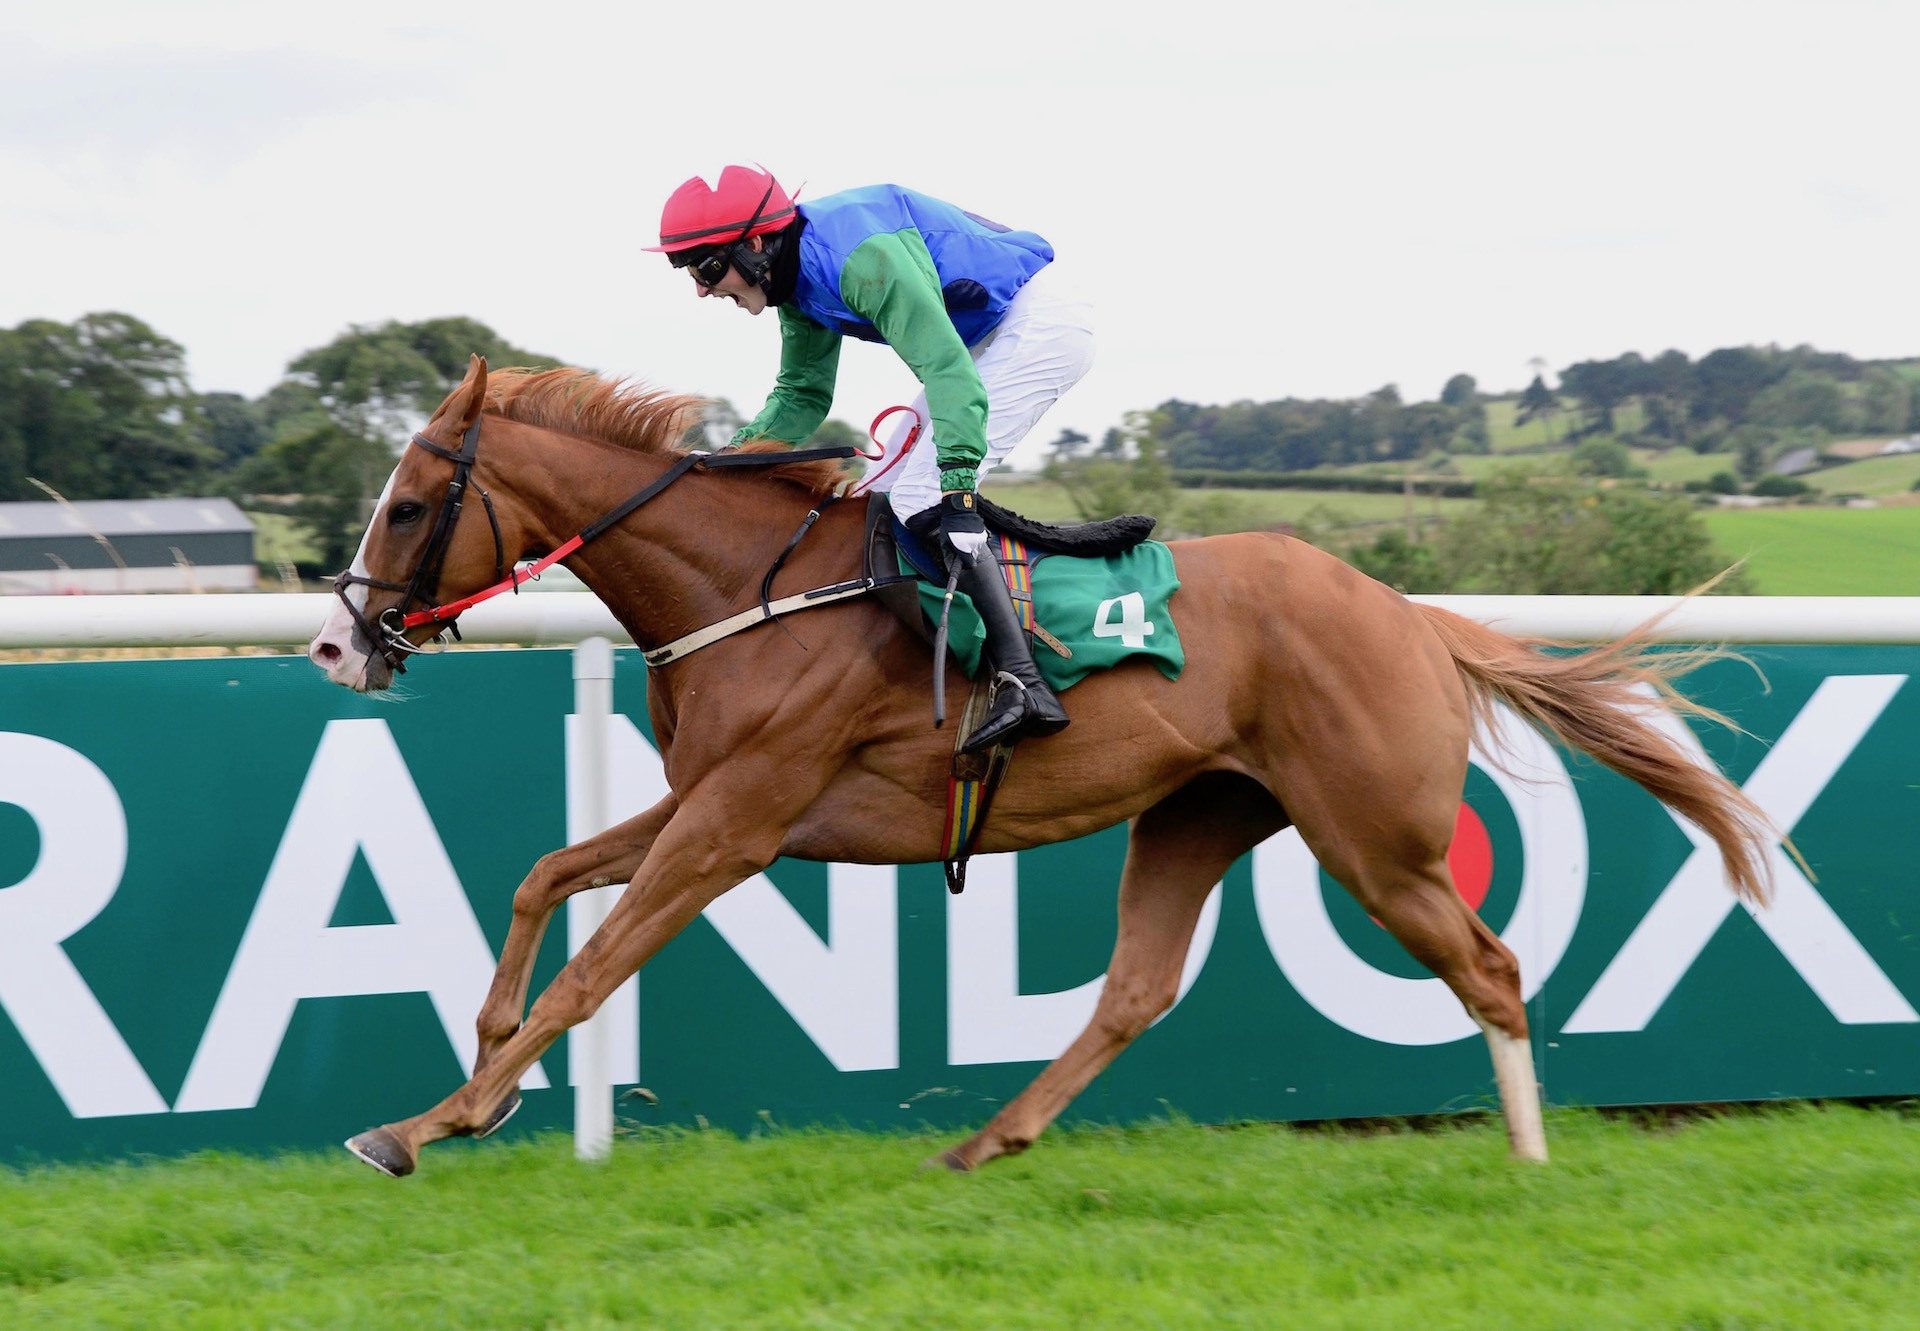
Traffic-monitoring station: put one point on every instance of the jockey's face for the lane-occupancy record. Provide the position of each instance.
(734, 287)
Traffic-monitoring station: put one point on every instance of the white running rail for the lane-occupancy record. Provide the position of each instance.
(559, 618)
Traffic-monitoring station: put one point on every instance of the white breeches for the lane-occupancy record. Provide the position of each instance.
(1041, 349)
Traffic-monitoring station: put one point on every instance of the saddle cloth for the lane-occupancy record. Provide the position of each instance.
(1103, 610)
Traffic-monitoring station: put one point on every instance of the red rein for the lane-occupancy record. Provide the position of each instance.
(880, 449)
(440, 614)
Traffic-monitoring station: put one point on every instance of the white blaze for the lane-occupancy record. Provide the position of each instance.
(337, 631)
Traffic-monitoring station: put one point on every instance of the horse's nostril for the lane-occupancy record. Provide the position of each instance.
(326, 653)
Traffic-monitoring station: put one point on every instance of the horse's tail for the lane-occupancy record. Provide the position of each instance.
(1591, 700)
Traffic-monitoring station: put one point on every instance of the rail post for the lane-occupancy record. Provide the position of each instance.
(589, 1048)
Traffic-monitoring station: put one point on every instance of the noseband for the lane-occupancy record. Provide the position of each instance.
(388, 634)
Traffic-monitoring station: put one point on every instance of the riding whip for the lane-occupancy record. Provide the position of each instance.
(940, 646)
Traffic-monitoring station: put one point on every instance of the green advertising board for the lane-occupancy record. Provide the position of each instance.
(241, 907)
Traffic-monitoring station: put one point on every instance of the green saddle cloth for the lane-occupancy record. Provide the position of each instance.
(1104, 610)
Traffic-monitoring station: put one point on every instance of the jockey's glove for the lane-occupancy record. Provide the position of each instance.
(961, 524)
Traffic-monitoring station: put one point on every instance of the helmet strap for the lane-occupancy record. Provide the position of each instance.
(757, 265)
(752, 265)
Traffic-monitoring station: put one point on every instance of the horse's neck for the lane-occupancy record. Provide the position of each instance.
(692, 555)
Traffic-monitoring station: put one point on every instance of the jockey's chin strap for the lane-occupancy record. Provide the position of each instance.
(388, 634)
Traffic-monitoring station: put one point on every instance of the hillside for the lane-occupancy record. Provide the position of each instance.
(1802, 463)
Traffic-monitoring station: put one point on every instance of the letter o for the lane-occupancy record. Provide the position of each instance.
(1393, 1009)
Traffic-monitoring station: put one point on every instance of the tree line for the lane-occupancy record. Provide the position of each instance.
(1303, 434)
(102, 409)
(1750, 400)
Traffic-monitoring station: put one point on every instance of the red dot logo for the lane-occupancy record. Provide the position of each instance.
(1470, 858)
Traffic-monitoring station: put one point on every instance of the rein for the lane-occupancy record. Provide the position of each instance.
(388, 633)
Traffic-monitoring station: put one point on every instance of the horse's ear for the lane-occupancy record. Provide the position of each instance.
(465, 403)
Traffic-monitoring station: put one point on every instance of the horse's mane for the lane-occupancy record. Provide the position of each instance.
(632, 415)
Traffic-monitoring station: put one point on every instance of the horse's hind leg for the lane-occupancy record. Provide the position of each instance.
(1177, 851)
(1420, 907)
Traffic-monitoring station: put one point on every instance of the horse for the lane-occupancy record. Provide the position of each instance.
(1313, 696)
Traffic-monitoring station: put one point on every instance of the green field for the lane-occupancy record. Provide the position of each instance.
(1878, 478)
(1663, 466)
(1506, 437)
(1205, 512)
(1791, 549)
(1801, 1217)
(1677, 466)
(1799, 551)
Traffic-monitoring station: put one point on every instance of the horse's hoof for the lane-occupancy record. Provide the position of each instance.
(508, 1108)
(951, 1161)
(384, 1151)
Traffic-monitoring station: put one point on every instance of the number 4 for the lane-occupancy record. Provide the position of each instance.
(1133, 628)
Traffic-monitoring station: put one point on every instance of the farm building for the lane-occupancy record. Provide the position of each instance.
(126, 545)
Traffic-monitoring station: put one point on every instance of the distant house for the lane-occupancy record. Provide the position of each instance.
(1795, 462)
(126, 545)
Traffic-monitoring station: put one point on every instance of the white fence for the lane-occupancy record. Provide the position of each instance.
(559, 618)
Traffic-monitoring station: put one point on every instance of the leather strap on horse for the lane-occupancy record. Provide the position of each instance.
(975, 779)
(768, 609)
(445, 614)
(388, 634)
(758, 614)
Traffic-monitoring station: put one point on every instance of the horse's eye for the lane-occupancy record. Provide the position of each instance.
(404, 512)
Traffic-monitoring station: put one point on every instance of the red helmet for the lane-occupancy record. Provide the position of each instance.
(747, 202)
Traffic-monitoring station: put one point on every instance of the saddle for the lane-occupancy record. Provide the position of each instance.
(974, 778)
(888, 538)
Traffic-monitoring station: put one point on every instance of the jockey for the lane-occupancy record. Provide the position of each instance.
(962, 300)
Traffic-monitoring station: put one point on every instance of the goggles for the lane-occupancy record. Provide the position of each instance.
(709, 266)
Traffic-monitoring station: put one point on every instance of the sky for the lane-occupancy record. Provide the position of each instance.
(1288, 200)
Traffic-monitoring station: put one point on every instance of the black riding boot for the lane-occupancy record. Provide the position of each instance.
(1023, 706)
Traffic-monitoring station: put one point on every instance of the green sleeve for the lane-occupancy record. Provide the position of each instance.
(803, 393)
(890, 281)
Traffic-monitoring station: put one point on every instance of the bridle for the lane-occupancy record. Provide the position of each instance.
(387, 634)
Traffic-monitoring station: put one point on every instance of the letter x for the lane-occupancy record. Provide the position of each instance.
(1800, 922)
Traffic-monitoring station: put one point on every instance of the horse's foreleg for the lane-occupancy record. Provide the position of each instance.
(1176, 853)
(693, 861)
(614, 856)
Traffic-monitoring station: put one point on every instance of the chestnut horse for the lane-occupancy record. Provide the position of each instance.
(1312, 696)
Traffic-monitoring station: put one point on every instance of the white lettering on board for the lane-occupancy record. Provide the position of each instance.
(1395, 1009)
(1697, 901)
(843, 990)
(358, 797)
(83, 851)
(988, 1019)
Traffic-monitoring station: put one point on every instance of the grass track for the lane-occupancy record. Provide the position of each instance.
(1804, 1217)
